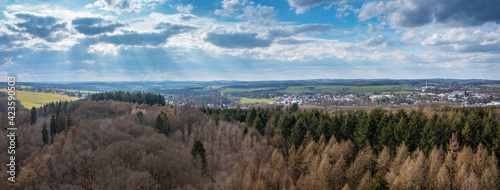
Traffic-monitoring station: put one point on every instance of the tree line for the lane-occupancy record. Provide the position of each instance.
(134, 97)
(377, 128)
(120, 145)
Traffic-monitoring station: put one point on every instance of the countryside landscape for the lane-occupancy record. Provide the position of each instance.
(241, 94)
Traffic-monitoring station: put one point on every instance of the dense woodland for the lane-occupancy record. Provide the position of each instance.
(109, 144)
(134, 97)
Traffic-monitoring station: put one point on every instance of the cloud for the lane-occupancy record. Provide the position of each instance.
(414, 13)
(291, 41)
(119, 6)
(229, 7)
(147, 38)
(290, 30)
(301, 6)
(185, 9)
(237, 40)
(94, 25)
(465, 40)
(45, 27)
(257, 13)
(377, 43)
(10, 41)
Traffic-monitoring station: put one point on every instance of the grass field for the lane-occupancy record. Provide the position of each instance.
(228, 90)
(82, 91)
(350, 89)
(253, 100)
(37, 99)
(398, 92)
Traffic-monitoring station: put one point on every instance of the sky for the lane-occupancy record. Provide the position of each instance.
(157, 40)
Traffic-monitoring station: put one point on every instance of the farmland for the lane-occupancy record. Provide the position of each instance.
(254, 100)
(348, 89)
(37, 99)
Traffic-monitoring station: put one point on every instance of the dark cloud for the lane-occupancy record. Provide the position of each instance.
(145, 39)
(237, 40)
(186, 17)
(174, 28)
(298, 29)
(291, 41)
(7, 40)
(94, 26)
(414, 13)
(376, 40)
(307, 3)
(302, 5)
(40, 26)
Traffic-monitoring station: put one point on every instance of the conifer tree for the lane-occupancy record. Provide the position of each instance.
(53, 128)
(298, 133)
(45, 134)
(251, 117)
(140, 117)
(379, 183)
(33, 115)
(69, 122)
(159, 124)
(199, 150)
(259, 125)
(361, 133)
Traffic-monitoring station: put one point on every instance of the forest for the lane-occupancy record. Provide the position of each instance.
(113, 143)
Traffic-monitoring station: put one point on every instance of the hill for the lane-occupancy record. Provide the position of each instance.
(37, 99)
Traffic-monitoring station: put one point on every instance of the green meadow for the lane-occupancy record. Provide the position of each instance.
(349, 89)
(38, 99)
(254, 100)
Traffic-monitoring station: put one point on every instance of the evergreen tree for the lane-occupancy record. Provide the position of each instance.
(286, 124)
(198, 149)
(251, 117)
(325, 128)
(53, 128)
(45, 134)
(69, 122)
(258, 124)
(375, 129)
(61, 121)
(33, 115)
(361, 133)
(349, 126)
(140, 117)
(298, 133)
(468, 135)
(379, 183)
(159, 124)
(294, 107)
(415, 126)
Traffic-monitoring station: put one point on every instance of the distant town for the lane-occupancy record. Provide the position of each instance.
(325, 93)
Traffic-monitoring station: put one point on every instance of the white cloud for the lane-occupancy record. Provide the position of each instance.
(230, 7)
(120, 6)
(185, 9)
(104, 48)
(465, 39)
(302, 6)
(257, 13)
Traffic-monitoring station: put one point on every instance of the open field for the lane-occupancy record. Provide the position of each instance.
(82, 91)
(228, 90)
(349, 89)
(37, 99)
(253, 100)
